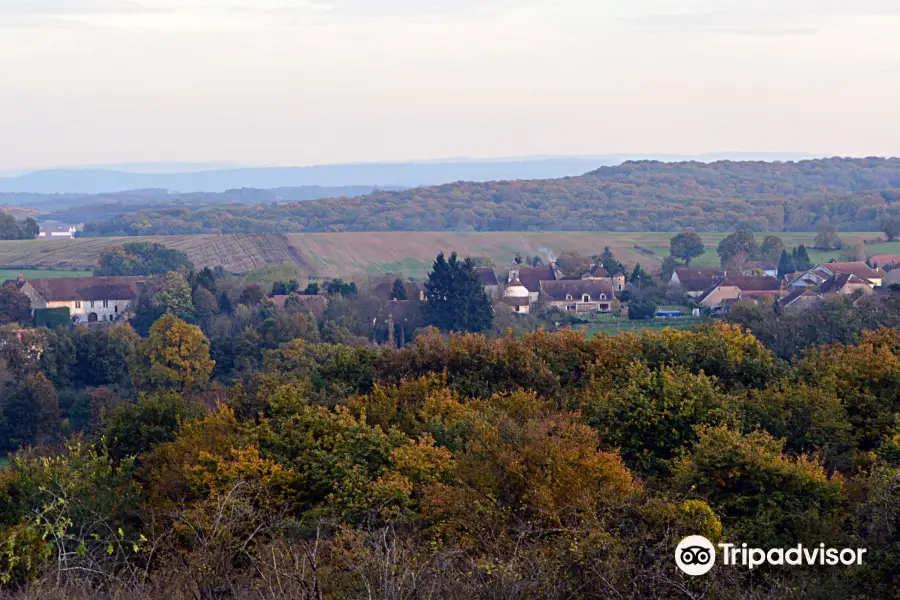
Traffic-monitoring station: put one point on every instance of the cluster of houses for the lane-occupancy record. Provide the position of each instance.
(718, 290)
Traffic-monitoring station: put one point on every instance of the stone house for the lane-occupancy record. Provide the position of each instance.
(694, 282)
(89, 299)
(584, 296)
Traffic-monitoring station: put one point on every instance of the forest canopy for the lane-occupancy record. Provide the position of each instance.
(635, 196)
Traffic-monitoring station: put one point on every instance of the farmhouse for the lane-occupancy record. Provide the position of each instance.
(694, 282)
(599, 273)
(57, 232)
(819, 274)
(845, 284)
(531, 277)
(579, 296)
(730, 288)
(800, 300)
(89, 299)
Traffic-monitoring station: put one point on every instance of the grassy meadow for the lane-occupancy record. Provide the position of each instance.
(359, 255)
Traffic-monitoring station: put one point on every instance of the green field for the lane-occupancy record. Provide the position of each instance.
(359, 255)
(40, 274)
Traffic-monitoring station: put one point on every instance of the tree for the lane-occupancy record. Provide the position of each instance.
(9, 229)
(573, 263)
(337, 287)
(786, 264)
(801, 258)
(398, 292)
(669, 264)
(608, 259)
(312, 289)
(517, 258)
(15, 307)
(537, 261)
(891, 227)
(172, 295)
(285, 288)
(771, 248)
(252, 295)
(30, 410)
(738, 242)
(686, 246)
(174, 356)
(456, 297)
(30, 229)
(642, 308)
(828, 238)
(640, 275)
(142, 258)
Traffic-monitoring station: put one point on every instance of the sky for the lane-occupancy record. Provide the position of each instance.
(301, 82)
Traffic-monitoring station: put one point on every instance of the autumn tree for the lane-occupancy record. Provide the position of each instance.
(827, 237)
(456, 300)
(174, 356)
(771, 248)
(738, 243)
(890, 225)
(686, 246)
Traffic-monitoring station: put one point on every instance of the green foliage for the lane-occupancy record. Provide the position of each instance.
(12, 230)
(456, 300)
(738, 244)
(52, 317)
(134, 428)
(686, 246)
(642, 308)
(141, 258)
(772, 248)
(770, 499)
(15, 307)
(398, 290)
(891, 227)
(786, 264)
(634, 196)
(828, 237)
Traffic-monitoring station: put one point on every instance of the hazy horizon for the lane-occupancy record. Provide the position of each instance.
(318, 82)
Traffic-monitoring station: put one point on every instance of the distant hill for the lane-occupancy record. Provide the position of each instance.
(204, 177)
(635, 196)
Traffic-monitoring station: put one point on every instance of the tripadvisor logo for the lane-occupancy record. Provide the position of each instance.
(696, 555)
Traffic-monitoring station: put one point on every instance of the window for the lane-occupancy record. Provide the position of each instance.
(568, 296)
(78, 304)
(92, 304)
(603, 296)
(117, 308)
(586, 298)
(106, 304)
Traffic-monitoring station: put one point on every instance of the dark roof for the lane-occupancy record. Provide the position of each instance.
(751, 284)
(697, 280)
(531, 277)
(67, 289)
(487, 275)
(557, 290)
(860, 269)
(801, 293)
(385, 290)
(597, 271)
(839, 281)
(315, 304)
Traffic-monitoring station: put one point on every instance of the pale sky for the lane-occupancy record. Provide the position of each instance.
(299, 82)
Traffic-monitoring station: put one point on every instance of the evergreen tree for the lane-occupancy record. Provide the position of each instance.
(399, 290)
(456, 297)
(786, 264)
(640, 275)
(610, 263)
(802, 261)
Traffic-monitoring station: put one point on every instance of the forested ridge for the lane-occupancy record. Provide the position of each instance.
(635, 196)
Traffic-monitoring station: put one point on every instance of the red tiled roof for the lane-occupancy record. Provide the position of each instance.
(531, 277)
(67, 289)
(487, 275)
(860, 269)
(697, 280)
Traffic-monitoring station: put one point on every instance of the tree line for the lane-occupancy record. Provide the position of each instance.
(860, 194)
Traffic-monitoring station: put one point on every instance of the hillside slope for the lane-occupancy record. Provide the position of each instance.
(635, 196)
